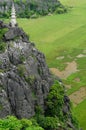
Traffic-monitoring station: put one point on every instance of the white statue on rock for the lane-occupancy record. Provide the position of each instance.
(13, 21)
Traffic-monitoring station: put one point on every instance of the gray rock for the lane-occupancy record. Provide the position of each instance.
(2, 25)
(15, 32)
(25, 77)
(70, 125)
(66, 106)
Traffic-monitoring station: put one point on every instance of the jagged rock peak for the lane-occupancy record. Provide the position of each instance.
(24, 76)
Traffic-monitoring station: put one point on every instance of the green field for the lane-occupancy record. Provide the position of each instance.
(63, 35)
(80, 112)
(58, 34)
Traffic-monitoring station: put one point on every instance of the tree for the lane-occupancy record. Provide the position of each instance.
(55, 100)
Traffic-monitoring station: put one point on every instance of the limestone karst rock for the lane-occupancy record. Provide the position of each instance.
(24, 6)
(24, 77)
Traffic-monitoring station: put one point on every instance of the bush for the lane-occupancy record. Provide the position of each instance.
(26, 123)
(48, 123)
(2, 32)
(2, 43)
(34, 16)
(30, 79)
(38, 110)
(75, 121)
(21, 70)
(60, 10)
(34, 128)
(22, 58)
(55, 100)
(2, 47)
(12, 123)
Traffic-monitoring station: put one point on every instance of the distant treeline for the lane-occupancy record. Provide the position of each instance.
(31, 8)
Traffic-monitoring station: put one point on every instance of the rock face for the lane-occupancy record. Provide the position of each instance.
(2, 25)
(14, 33)
(24, 78)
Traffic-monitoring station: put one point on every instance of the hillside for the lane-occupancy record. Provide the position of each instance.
(31, 8)
(62, 38)
(27, 88)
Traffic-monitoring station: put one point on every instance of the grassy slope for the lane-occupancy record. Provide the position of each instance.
(80, 112)
(60, 35)
(57, 33)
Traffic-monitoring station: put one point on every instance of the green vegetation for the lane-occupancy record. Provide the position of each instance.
(2, 43)
(22, 58)
(72, 80)
(80, 112)
(22, 73)
(30, 79)
(62, 35)
(21, 70)
(48, 34)
(33, 8)
(1, 107)
(55, 100)
(54, 117)
(2, 47)
(48, 123)
(51, 119)
(12, 123)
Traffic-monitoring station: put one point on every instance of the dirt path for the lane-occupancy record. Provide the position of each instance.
(78, 96)
(71, 68)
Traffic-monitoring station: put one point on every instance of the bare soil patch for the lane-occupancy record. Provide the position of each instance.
(60, 58)
(67, 86)
(71, 68)
(77, 79)
(78, 96)
(81, 55)
(84, 51)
